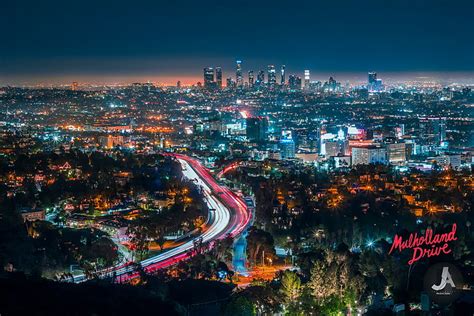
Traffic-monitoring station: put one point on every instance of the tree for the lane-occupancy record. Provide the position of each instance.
(334, 282)
(223, 249)
(290, 286)
(138, 240)
(240, 306)
(258, 242)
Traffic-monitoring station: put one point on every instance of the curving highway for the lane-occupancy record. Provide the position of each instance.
(228, 216)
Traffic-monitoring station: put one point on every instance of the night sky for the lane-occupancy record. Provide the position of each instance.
(170, 40)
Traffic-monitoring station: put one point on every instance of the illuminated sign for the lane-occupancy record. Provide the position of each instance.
(425, 246)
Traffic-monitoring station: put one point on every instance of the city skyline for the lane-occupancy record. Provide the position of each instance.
(166, 42)
(354, 78)
(237, 158)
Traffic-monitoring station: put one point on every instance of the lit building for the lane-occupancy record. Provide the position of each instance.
(336, 147)
(449, 160)
(369, 155)
(373, 83)
(287, 145)
(251, 79)
(342, 161)
(282, 72)
(275, 155)
(260, 78)
(271, 73)
(307, 79)
(111, 141)
(238, 74)
(433, 131)
(294, 82)
(371, 79)
(209, 77)
(219, 77)
(31, 215)
(331, 85)
(307, 157)
(257, 128)
(396, 153)
(74, 86)
(332, 148)
(287, 148)
(230, 83)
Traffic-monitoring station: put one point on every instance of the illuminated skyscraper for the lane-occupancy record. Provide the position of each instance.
(294, 82)
(287, 148)
(271, 75)
(307, 79)
(219, 77)
(251, 79)
(372, 78)
(230, 83)
(209, 77)
(257, 128)
(238, 74)
(283, 79)
(74, 86)
(260, 78)
(374, 84)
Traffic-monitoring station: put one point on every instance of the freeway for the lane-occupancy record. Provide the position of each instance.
(228, 216)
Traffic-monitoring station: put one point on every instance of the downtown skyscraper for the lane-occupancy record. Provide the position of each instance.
(307, 79)
(282, 72)
(238, 74)
(219, 77)
(251, 79)
(261, 77)
(271, 76)
(209, 77)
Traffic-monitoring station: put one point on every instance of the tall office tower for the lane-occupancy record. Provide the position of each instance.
(238, 74)
(283, 79)
(74, 86)
(379, 85)
(260, 78)
(294, 82)
(219, 77)
(257, 128)
(230, 83)
(178, 84)
(287, 148)
(251, 79)
(307, 79)
(332, 85)
(371, 81)
(287, 145)
(271, 75)
(209, 77)
(298, 82)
